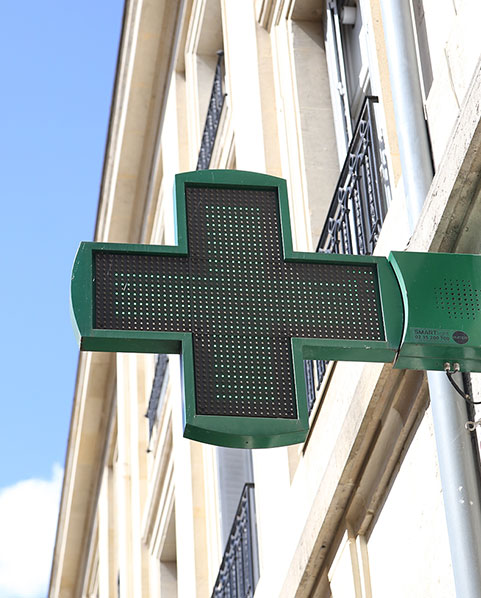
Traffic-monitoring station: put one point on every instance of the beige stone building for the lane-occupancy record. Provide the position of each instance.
(310, 91)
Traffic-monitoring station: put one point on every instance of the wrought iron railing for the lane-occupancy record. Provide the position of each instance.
(358, 207)
(357, 210)
(213, 115)
(156, 392)
(239, 570)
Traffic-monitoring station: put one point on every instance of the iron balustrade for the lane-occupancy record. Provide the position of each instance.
(213, 115)
(358, 207)
(156, 392)
(239, 570)
(357, 210)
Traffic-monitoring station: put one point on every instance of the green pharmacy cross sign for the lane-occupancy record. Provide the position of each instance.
(241, 307)
(239, 304)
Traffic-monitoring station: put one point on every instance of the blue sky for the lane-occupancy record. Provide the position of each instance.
(57, 66)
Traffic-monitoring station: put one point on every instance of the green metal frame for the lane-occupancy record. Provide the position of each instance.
(442, 297)
(232, 431)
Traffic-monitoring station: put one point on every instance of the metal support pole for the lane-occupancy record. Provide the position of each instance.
(457, 461)
(414, 147)
(460, 484)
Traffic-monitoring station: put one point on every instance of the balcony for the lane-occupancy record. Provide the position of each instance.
(358, 207)
(356, 213)
(239, 570)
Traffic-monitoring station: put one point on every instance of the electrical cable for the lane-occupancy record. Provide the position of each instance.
(449, 374)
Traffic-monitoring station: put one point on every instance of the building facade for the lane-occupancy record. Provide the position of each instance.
(306, 90)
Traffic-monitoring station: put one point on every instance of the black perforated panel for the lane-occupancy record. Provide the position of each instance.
(458, 299)
(240, 300)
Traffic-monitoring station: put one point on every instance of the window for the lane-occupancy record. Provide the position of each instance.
(348, 65)
(158, 390)
(204, 79)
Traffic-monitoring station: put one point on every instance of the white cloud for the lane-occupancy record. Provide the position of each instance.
(28, 522)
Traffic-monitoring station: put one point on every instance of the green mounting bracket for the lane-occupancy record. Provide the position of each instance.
(442, 310)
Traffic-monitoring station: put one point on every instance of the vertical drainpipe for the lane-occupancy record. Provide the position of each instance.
(457, 462)
(411, 128)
